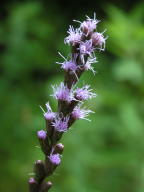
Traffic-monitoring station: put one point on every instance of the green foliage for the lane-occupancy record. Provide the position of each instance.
(105, 155)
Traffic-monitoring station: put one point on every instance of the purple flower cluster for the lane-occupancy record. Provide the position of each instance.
(74, 36)
(55, 159)
(84, 93)
(70, 65)
(42, 134)
(60, 124)
(62, 93)
(84, 42)
(79, 113)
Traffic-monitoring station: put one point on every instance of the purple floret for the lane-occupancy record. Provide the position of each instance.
(55, 159)
(84, 93)
(89, 25)
(98, 40)
(69, 65)
(74, 36)
(49, 116)
(79, 113)
(41, 134)
(62, 93)
(61, 124)
(88, 65)
(86, 48)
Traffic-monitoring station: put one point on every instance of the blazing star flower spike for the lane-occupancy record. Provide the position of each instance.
(84, 42)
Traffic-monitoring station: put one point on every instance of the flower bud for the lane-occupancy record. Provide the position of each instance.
(39, 169)
(33, 185)
(49, 116)
(43, 139)
(59, 148)
(86, 48)
(41, 134)
(45, 186)
(52, 162)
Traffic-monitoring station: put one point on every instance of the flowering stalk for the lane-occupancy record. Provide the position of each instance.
(84, 41)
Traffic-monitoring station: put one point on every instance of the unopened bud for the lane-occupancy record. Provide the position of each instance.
(59, 148)
(33, 185)
(43, 139)
(55, 159)
(41, 134)
(45, 186)
(39, 170)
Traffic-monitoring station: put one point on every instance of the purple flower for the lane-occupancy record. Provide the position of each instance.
(55, 159)
(79, 113)
(62, 93)
(89, 25)
(32, 182)
(42, 134)
(70, 65)
(98, 40)
(74, 36)
(84, 93)
(49, 115)
(61, 124)
(89, 62)
(86, 48)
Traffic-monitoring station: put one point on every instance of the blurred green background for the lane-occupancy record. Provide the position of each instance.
(105, 155)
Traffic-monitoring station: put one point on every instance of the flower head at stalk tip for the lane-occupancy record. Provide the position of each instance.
(61, 124)
(84, 93)
(74, 36)
(55, 159)
(89, 25)
(62, 93)
(41, 134)
(98, 40)
(79, 113)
